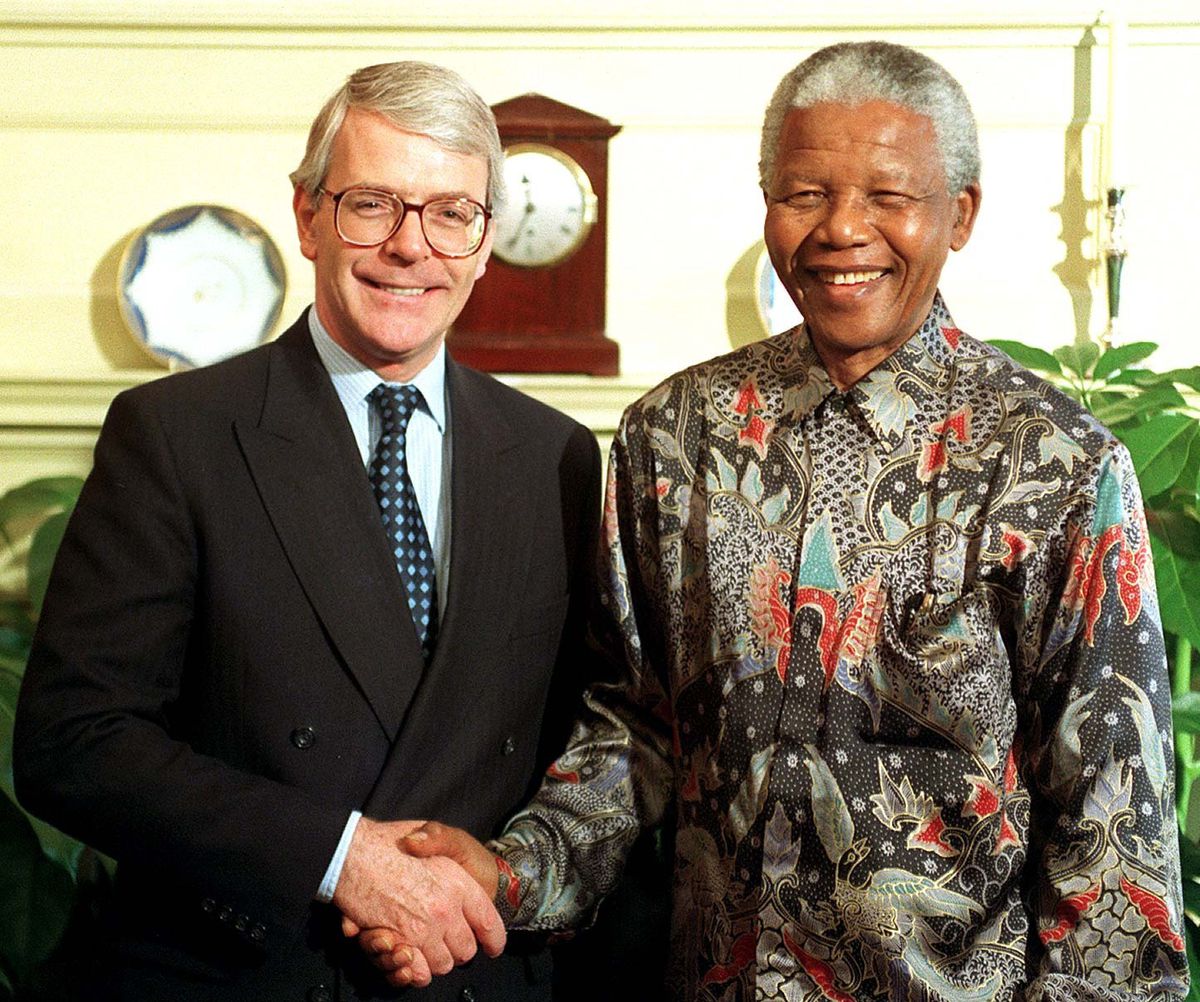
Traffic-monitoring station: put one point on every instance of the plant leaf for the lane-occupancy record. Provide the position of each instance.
(1178, 529)
(1148, 403)
(35, 497)
(1079, 357)
(1160, 450)
(1028, 356)
(1185, 713)
(1178, 581)
(1118, 358)
(35, 897)
(41, 556)
(1189, 376)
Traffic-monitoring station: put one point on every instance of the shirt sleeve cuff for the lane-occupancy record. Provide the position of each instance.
(330, 881)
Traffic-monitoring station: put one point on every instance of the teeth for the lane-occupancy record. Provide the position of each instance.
(398, 290)
(849, 277)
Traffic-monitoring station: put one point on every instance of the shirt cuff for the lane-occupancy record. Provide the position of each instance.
(330, 881)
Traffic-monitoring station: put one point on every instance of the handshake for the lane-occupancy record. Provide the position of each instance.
(418, 896)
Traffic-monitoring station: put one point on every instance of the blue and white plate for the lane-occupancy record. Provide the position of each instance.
(201, 283)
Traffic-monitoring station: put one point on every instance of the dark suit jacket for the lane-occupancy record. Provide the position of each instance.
(226, 665)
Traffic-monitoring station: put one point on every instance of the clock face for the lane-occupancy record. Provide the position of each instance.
(550, 210)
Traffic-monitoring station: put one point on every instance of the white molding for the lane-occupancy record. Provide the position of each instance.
(31, 404)
(537, 15)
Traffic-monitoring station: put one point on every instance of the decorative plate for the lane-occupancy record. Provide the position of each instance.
(200, 283)
(776, 311)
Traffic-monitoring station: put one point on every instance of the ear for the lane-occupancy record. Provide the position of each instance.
(482, 255)
(967, 205)
(305, 210)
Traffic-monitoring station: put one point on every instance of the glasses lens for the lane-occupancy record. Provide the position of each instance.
(454, 226)
(367, 217)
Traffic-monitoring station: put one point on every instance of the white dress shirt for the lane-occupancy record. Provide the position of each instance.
(427, 454)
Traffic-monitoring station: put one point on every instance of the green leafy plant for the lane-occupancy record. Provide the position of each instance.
(48, 882)
(1151, 413)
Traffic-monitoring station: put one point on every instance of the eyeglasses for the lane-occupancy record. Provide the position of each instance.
(366, 217)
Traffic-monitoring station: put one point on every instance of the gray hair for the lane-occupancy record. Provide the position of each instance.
(418, 97)
(854, 73)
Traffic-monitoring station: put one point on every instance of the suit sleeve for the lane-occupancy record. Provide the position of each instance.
(566, 850)
(574, 669)
(98, 750)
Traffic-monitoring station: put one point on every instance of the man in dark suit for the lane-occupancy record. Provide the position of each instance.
(247, 673)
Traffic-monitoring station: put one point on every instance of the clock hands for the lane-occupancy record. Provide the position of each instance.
(529, 210)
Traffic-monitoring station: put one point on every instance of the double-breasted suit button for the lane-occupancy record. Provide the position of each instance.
(225, 914)
(304, 737)
(467, 994)
(507, 748)
(258, 933)
(319, 993)
(208, 906)
(241, 923)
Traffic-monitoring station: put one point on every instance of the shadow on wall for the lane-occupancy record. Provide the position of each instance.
(743, 319)
(118, 346)
(1075, 270)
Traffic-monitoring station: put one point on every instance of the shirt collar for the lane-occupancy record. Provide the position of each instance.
(892, 393)
(354, 381)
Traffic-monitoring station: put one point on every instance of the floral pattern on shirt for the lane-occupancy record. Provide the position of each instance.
(895, 655)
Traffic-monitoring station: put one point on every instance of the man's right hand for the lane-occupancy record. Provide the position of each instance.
(399, 959)
(432, 904)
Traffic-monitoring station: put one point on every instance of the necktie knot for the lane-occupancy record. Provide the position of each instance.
(395, 405)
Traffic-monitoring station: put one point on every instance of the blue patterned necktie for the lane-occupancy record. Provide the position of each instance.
(398, 506)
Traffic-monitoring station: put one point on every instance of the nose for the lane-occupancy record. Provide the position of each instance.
(846, 223)
(408, 242)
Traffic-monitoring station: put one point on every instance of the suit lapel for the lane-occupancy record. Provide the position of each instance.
(307, 469)
(488, 545)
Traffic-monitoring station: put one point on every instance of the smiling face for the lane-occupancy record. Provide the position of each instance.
(859, 224)
(390, 306)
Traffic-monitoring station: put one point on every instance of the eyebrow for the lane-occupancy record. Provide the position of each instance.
(373, 186)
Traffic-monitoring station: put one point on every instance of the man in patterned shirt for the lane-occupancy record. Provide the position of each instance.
(883, 612)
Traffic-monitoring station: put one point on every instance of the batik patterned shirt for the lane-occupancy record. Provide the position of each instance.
(894, 655)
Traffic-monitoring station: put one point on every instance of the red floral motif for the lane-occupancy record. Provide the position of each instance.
(951, 336)
(1019, 546)
(691, 786)
(1010, 770)
(554, 772)
(512, 892)
(827, 644)
(861, 626)
(1079, 543)
(747, 398)
(930, 836)
(984, 800)
(611, 531)
(1131, 573)
(661, 486)
(957, 426)
(821, 972)
(1154, 910)
(932, 462)
(769, 618)
(1094, 587)
(1007, 837)
(1067, 915)
(755, 435)
(934, 456)
(740, 956)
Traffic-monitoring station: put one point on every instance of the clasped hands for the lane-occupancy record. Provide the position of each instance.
(418, 895)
